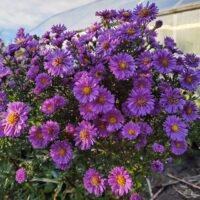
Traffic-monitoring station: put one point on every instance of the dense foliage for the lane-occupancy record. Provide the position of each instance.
(90, 114)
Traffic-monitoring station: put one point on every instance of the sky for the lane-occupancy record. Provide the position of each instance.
(29, 13)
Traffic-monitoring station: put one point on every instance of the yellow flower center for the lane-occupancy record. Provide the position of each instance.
(131, 132)
(175, 128)
(121, 181)
(58, 62)
(39, 136)
(49, 107)
(164, 62)
(105, 45)
(189, 79)
(126, 14)
(144, 12)
(101, 99)
(113, 120)
(62, 152)
(20, 41)
(12, 118)
(178, 145)
(95, 180)
(44, 81)
(87, 90)
(84, 135)
(123, 65)
(98, 74)
(130, 31)
(146, 61)
(141, 101)
(189, 111)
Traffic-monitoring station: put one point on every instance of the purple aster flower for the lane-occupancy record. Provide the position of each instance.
(107, 14)
(21, 175)
(2, 100)
(170, 44)
(128, 31)
(130, 130)
(32, 72)
(86, 89)
(145, 14)
(120, 181)
(59, 63)
(145, 129)
(140, 102)
(158, 148)
(102, 128)
(36, 138)
(94, 183)
(85, 135)
(125, 15)
(48, 106)
(122, 66)
(192, 60)
(4, 72)
(142, 83)
(175, 128)
(157, 166)
(61, 152)
(164, 61)
(60, 101)
(114, 118)
(106, 43)
(97, 72)
(87, 111)
(70, 128)
(104, 101)
(43, 80)
(190, 111)
(171, 100)
(178, 147)
(163, 86)
(190, 79)
(135, 196)
(58, 28)
(50, 130)
(15, 119)
(144, 61)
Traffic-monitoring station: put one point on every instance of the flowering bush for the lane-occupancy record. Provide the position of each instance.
(89, 114)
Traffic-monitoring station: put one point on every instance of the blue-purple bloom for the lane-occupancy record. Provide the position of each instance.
(59, 63)
(130, 130)
(60, 101)
(61, 152)
(48, 106)
(114, 118)
(43, 80)
(50, 130)
(140, 102)
(175, 128)
(3, 100)
(192, 60)
(164, 61)
(36, 137)
(190, 111)
(158, 148)
(86, 89)
(122, 66)
(157, 166)
(135, 196)
(171, 100)
(178, 147)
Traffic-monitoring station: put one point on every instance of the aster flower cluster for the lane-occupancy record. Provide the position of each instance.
(93, 102)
